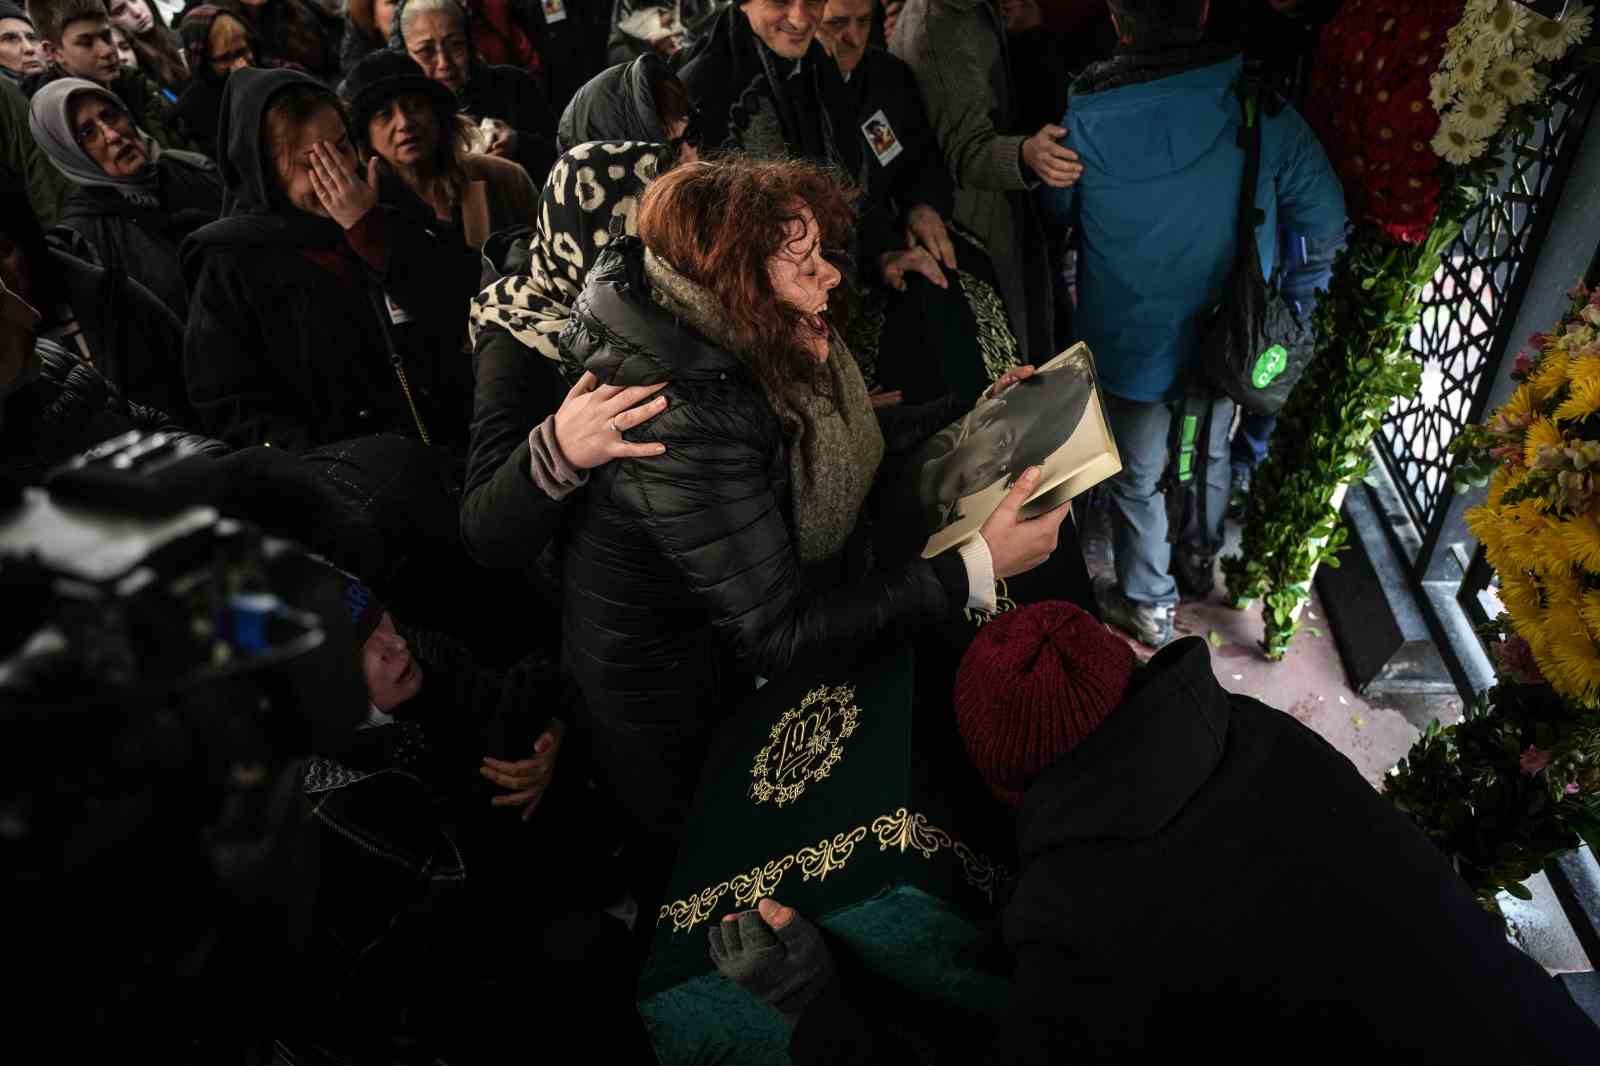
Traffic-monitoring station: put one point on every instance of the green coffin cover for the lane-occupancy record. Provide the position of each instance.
(843, 793)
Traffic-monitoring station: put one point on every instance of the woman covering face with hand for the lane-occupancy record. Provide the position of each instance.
(321, 312)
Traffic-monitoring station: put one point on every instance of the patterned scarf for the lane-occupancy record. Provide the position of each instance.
(835, 444)
(591, 196)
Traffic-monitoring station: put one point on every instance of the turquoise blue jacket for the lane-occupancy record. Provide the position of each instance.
(1157, 207)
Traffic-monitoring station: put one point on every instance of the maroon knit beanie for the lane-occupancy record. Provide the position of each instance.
(1032, 687)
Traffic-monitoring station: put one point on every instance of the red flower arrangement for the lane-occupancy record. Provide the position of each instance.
(1369, 105)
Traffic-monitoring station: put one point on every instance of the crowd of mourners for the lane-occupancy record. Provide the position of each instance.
(603, 327)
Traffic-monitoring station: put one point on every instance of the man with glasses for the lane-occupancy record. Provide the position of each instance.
(505, 101)
(76, 38)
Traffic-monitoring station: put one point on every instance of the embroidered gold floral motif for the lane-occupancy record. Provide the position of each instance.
(805, 745)
(829, 855)
(759, 882)
(688, 913)
(902, 830)
(1002, 603)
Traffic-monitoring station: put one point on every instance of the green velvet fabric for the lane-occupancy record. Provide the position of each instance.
(905, 939)
(843, 792)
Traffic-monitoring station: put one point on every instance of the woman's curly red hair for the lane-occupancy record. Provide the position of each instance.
(718, 223)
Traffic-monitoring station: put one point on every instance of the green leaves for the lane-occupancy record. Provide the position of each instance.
(1362, 367)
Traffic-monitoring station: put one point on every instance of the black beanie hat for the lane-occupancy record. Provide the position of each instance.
(9, 10)
(383, 75)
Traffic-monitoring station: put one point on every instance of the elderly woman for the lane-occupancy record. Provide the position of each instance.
(505, 100)
(320, 312)
(409, 121)
(132, 200)
(735, 552)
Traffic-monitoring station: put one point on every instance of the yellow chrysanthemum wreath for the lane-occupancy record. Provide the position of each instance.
(1540, 524)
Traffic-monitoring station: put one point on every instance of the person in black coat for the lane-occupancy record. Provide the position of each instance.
(734, 553)
(509, 103)
(312, 324)
(132, 201)
(216, 42)
(1198, 872)
(102, 317)
(54, 405)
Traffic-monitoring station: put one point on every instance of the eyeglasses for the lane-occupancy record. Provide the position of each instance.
(92, 133)
(428, 52)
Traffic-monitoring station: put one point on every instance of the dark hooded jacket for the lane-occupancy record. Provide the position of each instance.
(67, 408)
(142, 240)
(682, 579)
(617, 104)
(509, 94)
(301, 333)
(1204, 857)
(131, 337)
(201, 103)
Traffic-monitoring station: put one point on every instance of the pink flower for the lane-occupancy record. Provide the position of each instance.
(1514, 658)
(1577, 292)
(1524, 363)
(1533, 760)
(1539, 340)
(1572, 788)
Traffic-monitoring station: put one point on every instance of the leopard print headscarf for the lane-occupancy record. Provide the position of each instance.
(591, 197)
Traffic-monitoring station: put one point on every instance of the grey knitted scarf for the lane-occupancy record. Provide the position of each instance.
(835, 444)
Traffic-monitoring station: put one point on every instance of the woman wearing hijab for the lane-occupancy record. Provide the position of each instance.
(132, 200)
(539, 426)
(321, 311)
(158, 49)
(409, 121)
(216, 42)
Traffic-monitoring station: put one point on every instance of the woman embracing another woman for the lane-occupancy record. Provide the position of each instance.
(735, 552)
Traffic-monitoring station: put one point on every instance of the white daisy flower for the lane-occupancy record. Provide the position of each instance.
(1480, 115)
(1467, 69)
(1577, 23)
(1503, 23)
(1441, 89)
(1513, 78)
(1545, 37)
(1454, 145)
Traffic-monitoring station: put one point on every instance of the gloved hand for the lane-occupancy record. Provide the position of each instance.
(775, 955)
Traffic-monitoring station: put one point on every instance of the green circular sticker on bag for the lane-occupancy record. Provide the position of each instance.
(1269, 364)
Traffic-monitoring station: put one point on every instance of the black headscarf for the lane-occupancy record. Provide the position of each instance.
(617, 104)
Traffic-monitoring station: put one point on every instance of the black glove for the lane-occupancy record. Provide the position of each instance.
(786, 968)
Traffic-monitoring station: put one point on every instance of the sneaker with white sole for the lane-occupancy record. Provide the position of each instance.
(1149, 624)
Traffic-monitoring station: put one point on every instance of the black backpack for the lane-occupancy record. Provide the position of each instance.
(1253, 346)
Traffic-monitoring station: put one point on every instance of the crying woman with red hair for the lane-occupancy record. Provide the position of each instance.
(736, 552)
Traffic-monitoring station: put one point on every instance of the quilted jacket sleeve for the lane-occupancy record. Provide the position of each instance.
(710, 507)
(506, 520)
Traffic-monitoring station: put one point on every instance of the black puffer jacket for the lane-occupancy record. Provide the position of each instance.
(67, 408)
(682, 581)
(617, 104)
(143, 241)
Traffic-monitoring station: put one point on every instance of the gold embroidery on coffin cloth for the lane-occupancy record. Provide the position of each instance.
(805, 745)
(903, 830)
